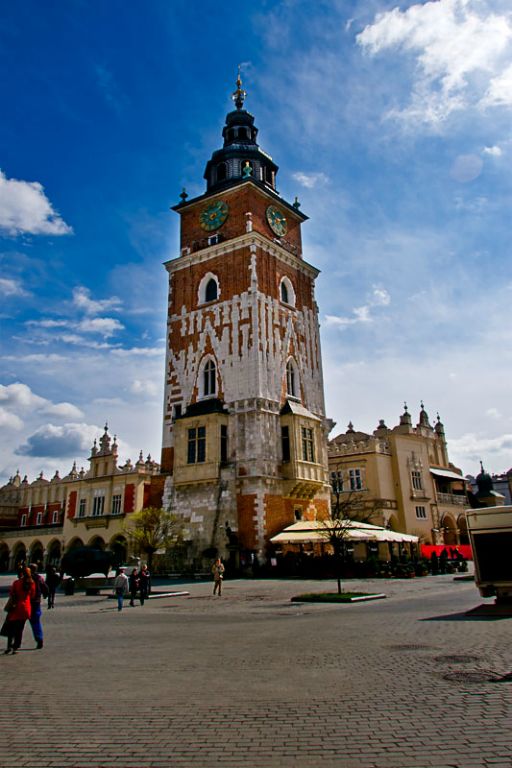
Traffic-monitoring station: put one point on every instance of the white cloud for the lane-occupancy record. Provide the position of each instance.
(493, 151)
(462, 53)
(24, 208)
(473, 447)
(500, 90)
(80, 341)
(82, 300)
(52, 358)
(310, 180)
(139, 352)
(378, 298)
(146, 387)
(19, 397)
(48, 323)
(106, 326)
(51, 441)
(10, 287)
(493, 413)
(9, 420)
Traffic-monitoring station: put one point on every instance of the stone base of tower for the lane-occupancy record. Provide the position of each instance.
(235, 520)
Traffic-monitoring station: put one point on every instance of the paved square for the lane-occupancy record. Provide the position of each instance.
(251, 679)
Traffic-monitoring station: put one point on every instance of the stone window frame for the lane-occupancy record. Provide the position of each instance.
(356, 479)
(201, 291)
(292, 379)
(117, 502)
(287, 293)
(203, 384)
(98, 504)
(307, 435)
(82, 507)
(421, 513)
(196, 445)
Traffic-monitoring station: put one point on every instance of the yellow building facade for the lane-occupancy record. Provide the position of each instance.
(43, 519)
(405, 477)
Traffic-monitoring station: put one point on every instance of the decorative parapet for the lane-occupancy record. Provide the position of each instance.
(351, 447)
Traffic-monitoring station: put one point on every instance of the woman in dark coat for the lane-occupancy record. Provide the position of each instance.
(52, 582)
(145, 583)
(133, 583)
(21, 594)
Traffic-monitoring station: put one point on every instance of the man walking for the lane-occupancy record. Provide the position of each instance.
(41, 590)
(121, 588)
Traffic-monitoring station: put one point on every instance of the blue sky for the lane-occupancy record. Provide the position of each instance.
(390, 121)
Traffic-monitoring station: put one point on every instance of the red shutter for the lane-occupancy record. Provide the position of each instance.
(129, 499)
(72, 504)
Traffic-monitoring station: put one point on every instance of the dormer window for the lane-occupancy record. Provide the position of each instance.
(221, 171)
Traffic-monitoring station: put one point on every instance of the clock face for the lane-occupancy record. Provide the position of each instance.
(213, 215)
(277, 221)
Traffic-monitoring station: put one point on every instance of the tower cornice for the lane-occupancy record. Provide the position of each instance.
(251, 240)
(235, 187)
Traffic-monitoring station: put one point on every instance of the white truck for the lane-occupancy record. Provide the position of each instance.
(490, 533)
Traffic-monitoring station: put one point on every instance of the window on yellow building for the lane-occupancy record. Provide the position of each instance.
(223, 443)
(416, 480)
(355, 479)
(196, 452)
(308, 444)
(98, 505)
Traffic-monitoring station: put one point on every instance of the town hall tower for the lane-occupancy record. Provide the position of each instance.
(244, 432)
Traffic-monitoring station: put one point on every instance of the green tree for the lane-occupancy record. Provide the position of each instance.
(152, 529)
(348, 507)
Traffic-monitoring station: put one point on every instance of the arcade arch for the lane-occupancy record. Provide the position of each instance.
(119, 546)
(449, 530)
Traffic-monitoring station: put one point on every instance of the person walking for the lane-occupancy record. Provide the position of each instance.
(52, 582)
(19, 607)
(218, 574)
(41, 590)
(144, 584)
(121, 588)
(134, 582)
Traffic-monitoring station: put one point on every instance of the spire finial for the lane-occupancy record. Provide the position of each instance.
(239, 95)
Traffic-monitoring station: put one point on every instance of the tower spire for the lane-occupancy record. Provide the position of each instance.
(239, 95)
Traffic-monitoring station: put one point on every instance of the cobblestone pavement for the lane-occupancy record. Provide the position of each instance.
(250, 679)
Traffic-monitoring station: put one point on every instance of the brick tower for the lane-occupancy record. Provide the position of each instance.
(244, 433)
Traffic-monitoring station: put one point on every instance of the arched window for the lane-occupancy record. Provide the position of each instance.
(292, 384)
(242, 133)
(286, 292)
(221, 171)
(209, 379)
(209, 289)
(231, 134)
(210, 293)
